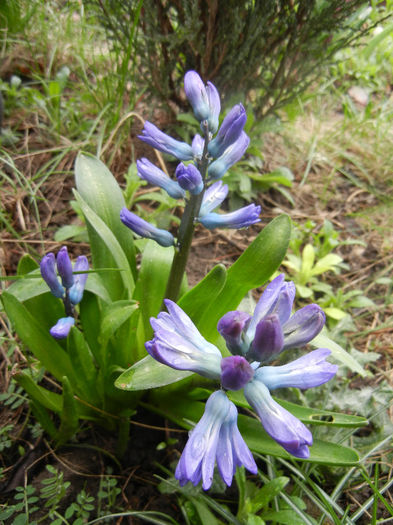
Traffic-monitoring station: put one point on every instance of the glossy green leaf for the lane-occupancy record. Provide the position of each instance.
(198, 298)
(113, 316)
(69, 417)
(253, 268)
(270, 490)
(44, 397)
(37, 338)
(149, 373)
(85, 371)
(26, 264)
(100, 190)
(338, 352)
(310, 416)
(107, 252)
(152, 281)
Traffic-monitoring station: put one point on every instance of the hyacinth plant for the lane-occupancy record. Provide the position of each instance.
(87, 325)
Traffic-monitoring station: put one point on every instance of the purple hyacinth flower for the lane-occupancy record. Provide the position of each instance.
(48, 272)
(214, 438)
(76, 291)
(280, 424)
(197, 96)
(231, 155)
(163, 142)
(268, 340)
(232, 327)
(189, 178)
(308, 371)
(178, 344)
(197, 146)
(214, 105)
(64, 267)
(241, 218)
(153, 175)
(205, 100)
(62, 328)
(229, 132)
(303, 326)
(213, 197)
(236, 372)
(145, 229)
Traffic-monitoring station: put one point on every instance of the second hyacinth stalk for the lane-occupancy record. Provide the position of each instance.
(211, 155)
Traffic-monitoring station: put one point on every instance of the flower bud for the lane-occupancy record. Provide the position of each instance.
(145, 229)
(189, 178)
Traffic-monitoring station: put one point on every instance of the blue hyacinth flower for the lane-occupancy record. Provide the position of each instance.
(163, 142)
(145, 229)
(177, 343)
(215, 438)
(153, 175)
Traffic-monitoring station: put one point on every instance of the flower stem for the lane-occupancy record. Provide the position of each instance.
(186, 229)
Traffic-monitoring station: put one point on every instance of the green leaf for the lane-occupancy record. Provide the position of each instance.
(284, 517)
(329, 262)
(71, 231)
(149, 373)
(206, 291)
(113, 316)
(308, 257)
(107, 253)
(37, 338)
(44, 397)
(152, 281)
(100, 190)
(85, 372)
(253, 268)
(41, 414)
(26, 264)
(338, 352)
(69, 416)
(269, 491)
(308, 415)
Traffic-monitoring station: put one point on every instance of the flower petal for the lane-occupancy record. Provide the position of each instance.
(163, 142)
(76, 291)
(303, 326)
(308, 371)
(280, 424)
(155, 176)
(213, 197)
(232, 327)
(241, 218)
(235, 372)
(145, 229)
(268, 340)
(64, 267)
(62, 328)
(48, 272)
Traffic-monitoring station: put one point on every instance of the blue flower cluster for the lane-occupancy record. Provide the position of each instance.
(70, 289)
(220, 151)
(254, 341)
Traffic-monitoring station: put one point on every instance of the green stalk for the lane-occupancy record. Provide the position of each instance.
(186, 229)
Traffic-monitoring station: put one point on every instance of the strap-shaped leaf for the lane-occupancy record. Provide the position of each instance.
(44, 397)
(308, 415)
(85, 371)
(100, 190)
(195, 302)
(109, 244)
(253, 268)
(152, 281)
(37, 338)
(149, 373)
(69, 416)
